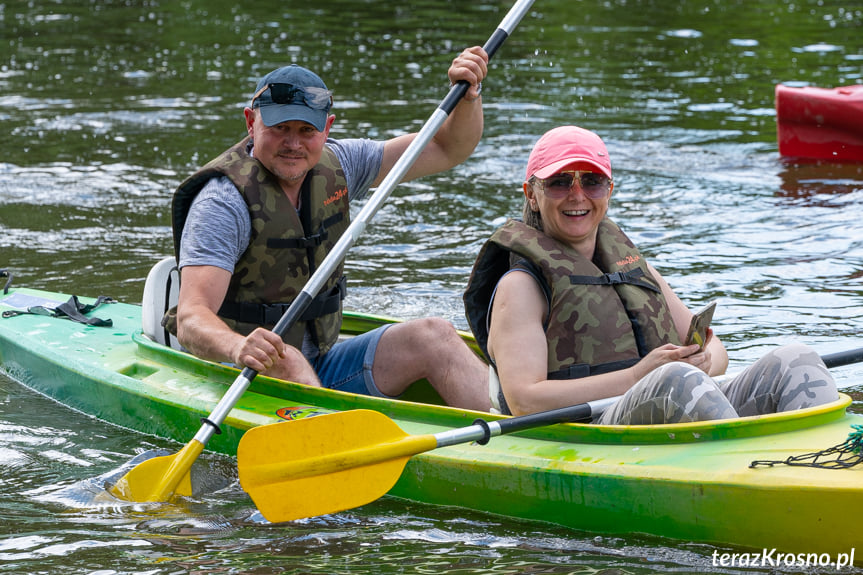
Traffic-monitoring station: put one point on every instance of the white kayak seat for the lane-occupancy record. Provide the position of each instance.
(494, 391)
(161, 292)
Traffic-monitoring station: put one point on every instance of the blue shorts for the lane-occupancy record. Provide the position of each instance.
(348, 365)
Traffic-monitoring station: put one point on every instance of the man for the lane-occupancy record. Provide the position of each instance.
(251, 227)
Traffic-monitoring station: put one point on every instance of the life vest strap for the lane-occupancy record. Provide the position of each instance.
(579, 370)
(270, 313)
(615, 278)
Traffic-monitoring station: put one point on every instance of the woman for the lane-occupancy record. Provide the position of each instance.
(567, 310)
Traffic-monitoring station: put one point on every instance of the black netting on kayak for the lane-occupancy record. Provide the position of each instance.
(842, 456)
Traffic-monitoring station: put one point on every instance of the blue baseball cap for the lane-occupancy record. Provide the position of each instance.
(298, 94)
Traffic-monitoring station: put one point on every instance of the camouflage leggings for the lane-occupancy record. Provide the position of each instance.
(788, 378)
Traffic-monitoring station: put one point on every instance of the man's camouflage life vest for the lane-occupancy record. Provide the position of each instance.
(604, 315)
(286, 247)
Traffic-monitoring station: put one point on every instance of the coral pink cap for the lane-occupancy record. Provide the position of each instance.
(565, 146)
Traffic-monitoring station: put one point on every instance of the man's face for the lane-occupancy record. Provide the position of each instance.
(290, 149)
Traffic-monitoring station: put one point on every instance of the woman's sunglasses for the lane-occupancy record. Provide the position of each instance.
(594, 185)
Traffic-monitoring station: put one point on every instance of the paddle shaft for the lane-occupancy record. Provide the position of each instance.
(482, 430)
(374, 203)
(158, 478)
(831, 360)
(841, 358)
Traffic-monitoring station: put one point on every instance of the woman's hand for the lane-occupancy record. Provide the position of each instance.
(669, 353)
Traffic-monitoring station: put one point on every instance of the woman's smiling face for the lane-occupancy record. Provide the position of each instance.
(570, 216)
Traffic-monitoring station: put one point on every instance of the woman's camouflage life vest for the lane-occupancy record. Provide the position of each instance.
(286, 247)
(604, 315)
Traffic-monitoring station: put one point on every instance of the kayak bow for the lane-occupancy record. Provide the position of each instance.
(820, 123)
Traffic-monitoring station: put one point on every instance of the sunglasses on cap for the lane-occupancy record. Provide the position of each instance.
(310, 96)
(594, 185)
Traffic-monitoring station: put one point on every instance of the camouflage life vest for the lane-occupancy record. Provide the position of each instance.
(286, 246)
(604, 315)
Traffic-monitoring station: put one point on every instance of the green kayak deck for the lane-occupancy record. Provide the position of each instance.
(687, 481)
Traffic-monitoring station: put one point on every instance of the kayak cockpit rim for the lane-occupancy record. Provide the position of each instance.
(752, 426)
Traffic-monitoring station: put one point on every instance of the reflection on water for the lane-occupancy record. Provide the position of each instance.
(816, 182)
(108, 105)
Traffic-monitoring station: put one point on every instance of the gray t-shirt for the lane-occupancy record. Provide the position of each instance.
(219, 226)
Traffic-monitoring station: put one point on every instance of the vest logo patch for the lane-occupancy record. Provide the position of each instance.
(627, 260)
(340, 193)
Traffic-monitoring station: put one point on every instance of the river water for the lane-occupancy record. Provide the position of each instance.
(106, 105)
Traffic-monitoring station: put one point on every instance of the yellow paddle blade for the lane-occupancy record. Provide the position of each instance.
(159, 478)
(324, 464)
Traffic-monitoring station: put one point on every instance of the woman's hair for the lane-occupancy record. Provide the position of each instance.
(531, 217)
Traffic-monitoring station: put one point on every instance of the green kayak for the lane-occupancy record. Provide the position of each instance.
(690, 482)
